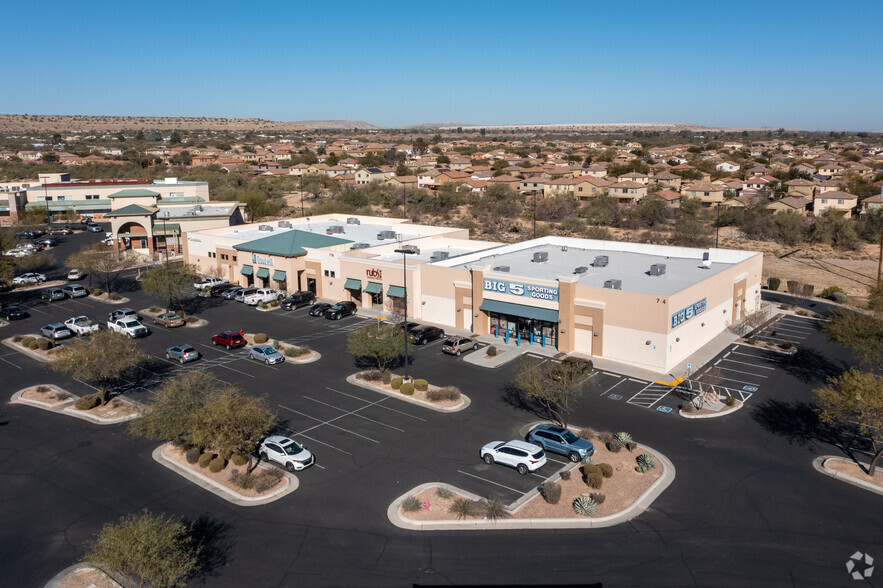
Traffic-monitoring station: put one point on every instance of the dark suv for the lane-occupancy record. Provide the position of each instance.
(340, 310)
(298, 299)
(219, 289)
(421, 335)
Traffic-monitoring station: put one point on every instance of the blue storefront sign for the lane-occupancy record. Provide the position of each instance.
(255, 258)
(686, 314)
(519, 289)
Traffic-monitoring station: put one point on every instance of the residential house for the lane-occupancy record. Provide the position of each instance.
(670, 197)
(805, 168)
(29, 155)
(796, 204)
(510, 181)
(707, 192)
(635, 177)
(402, 181)
(427, 178)
(451, 177)
(202, 160)
(728, 166)
(872, 203)
(823, 186)
(627, 191)
(800, 188)
(372, 174)
(668, 179)
(598, 170)
(831, 169)
(835, 200)
(533, 184)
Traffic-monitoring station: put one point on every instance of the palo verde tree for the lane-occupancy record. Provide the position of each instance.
(173, 280)
(101, 359)
(104, 263)
(855, 398)
(171, 415)
(381, 345)
(556, 387)
(233, 422)
(861, 333)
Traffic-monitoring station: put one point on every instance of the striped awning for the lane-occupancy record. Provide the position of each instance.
(247, 270)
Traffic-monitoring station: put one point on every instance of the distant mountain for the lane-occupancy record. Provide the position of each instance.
(334, 124)
(74, 123)
(438, 125)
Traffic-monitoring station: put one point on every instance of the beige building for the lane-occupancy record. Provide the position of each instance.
(843, 202)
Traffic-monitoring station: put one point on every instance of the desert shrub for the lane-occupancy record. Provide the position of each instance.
(631, 446)
(244, 480)
(584, 506)
(17, 338)
(41, 389)
(113, 296)
(260, 338)
(267, 479)
(464, 507)
(590, 468)
(441, 394)
(587, 460)
(190, 319)
(494, 508)
(595, 481)
(606, 470)
(802, 312)
(688, 407)
(830, 291)
(96, 291)
(808, 289)
(407, 389)
(587, 433)
(551, 492)
(421, 385)
(565, 475)
(386, 377)
(34, 344)
(597, 497)
(264, 306)
(217, 464)
(840, 297)
(372, 375)
(239, 459)
(155, 309)
(297, 351)
(751, 340)
(193, 454)
(491, 351)
(443, 492)
(226, 454)
(623, 437)
(411, 504)
(605, 437)
(646, 462)
(205, 459)
(274, 303)
(396, 383)
(774, 283)
(785, 345)
(87, 402)
(614, 446)
(785, 306)
(793, 286)
(731, 400)
(43, 343)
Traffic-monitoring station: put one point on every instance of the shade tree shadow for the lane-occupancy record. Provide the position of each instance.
(216, 541)
(808, 366)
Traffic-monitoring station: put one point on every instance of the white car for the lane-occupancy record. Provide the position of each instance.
(208, 283)
(75, 274)
(81, 325)
(19, 252)
(263, 295)
(29, 278)
(524, 457)
(286, 452)
(128, 326)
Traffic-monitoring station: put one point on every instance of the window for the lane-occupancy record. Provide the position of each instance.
(840, 201)
(824, 200)
(212, 254)
(224, 256)
(234, 258)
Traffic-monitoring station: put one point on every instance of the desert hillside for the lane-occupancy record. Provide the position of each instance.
(43, 123)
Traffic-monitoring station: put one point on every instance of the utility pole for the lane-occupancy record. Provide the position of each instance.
(405, 253)
(717, 226)
(534, 214)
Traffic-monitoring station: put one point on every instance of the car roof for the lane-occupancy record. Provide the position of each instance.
(264, 346)
(523, 445)
(278, 439)
(550, 428)
(56, 325)
(231, 333)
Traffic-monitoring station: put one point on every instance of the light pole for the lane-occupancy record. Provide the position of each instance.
(165, 216)
(301, 193)
(405, 253)
(534, 214)
(717, 226)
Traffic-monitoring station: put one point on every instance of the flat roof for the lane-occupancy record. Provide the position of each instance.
(629, 262)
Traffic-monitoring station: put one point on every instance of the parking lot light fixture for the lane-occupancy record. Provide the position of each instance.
(405, 253)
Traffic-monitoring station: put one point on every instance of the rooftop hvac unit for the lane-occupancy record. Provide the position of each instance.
(353, 221)
(389, 234)
(581, 270)
(285, 224)
(265, 228)
(564, 248)
(412, 249)
(540, 256)
(657, 269)
(334, 229)
(613, 284)
(601, 261)
(439, 255)
(198, 208)
(706, 260)
(502, 268)
(360, 246)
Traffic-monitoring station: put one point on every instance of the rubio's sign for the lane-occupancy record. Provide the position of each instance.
(376, 274)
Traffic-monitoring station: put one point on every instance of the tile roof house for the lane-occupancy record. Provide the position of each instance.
(872, 203)
(835, 200)
(790, 203)
(706, 191)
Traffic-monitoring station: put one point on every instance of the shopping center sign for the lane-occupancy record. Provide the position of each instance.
(686, 314)
(518, 289)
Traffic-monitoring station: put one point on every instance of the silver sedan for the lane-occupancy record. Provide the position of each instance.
(265, 353)
(182, 353)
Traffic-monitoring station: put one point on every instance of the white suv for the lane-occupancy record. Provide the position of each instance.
(262, 295)
(524, 457)
(286, 452)
(208, 283)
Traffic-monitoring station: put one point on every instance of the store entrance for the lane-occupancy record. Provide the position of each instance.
(524, 330)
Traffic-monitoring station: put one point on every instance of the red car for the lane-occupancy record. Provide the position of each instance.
(230, 339)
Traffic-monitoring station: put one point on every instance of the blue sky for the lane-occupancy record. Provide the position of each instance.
(809, 65)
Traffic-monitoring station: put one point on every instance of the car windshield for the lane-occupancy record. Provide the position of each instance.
(130, 324)
(188, 350)
(171, 316)
(292, 448)
(569, 436)
(336, 307)
(450, 343)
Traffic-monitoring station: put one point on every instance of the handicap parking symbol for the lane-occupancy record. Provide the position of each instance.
(615, 397)
(663, 408)
(750, 388)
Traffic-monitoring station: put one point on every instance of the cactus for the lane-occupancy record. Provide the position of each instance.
(587, 460)
(584, 506)
(646, 462)
(623, 438)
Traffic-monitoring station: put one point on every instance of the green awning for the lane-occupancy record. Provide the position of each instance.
(353, 284)
(247, 270)
(520, 310)
(279, 276)
(263, 272)
(396, 292)
(374, 288)
(168, 229)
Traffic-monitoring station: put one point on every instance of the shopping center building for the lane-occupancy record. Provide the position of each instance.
(647, 305)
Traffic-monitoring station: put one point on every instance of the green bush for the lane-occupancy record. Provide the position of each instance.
(298, 351)
(421, 385)
(41, 389)
(595, 481)
(751, 340)
(802, 312)
(606, 470)
(411, 504)
(226, 454)
(775, 283)
(587, 460)
(491, 351)
(731, 400)
(43, 344)
(646, 462)
(193, 454)
(113, 296)
(274, 303)
(17, 338)
(584, 506)
(597, 497)
(396, 383)
(494, 508)
(386, 377)
(786, 345)
(260, 338)
(96, 291)
(551, 492)
(217, 464)
(830, 291)
(623, 437)
(205, 459)
(263, 305)
(443, 492)
(590, 468)
(614, 446)
(154, 309)
(239, 459)
(464, 507)
(87, 402)
(407, 389)
(372, 375)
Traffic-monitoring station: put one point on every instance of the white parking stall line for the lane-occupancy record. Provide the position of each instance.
(489, 481)
(329, 423)
(294, 433)
(794, 325)
(654, 392)
(183, 368)
(611, 375)
(30, 308)
(378, 405)
(638, 381)
(355, 415)
(74, 301)
(754, 355)
(763, 367)
(785, 336)
(791, 329)
(536, 475)
(10, 363)
(728, 379)
(612, 387)
(552, 459)
(740, 372)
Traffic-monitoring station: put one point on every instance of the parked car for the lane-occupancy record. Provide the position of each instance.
(128, 326)
(94, 228)
(56, 331)
(75, 274)
(231, 293)
(286, 452)
(208, 283)
(4, 287)
(13, 313)
(20, 252)
(123, 313)
(52, 294)
(424, 334)
(168, 320)
(74, 291)
(229, 339)
(298, 299)
(524, 457)
(266, 353)
(29, 278)
(47, 242)
(409, 325)
(562, 441)
(81, 325)
(240, 296)
(183, 353)
(219, 289)
(30, 234)
(262, 295)
(61, 231)
(319, 309)
(340, 310)
(457, 345)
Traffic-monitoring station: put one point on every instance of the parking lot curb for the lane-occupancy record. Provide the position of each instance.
(17, 399)
(314, 356)
(464, 400)
(711, 416)
(642, 503)
(32, 354)
(221, 491)
(77, 413)
(102, 298)
(500, 359)
(820, 464)
(49, 284)
(60, 577)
